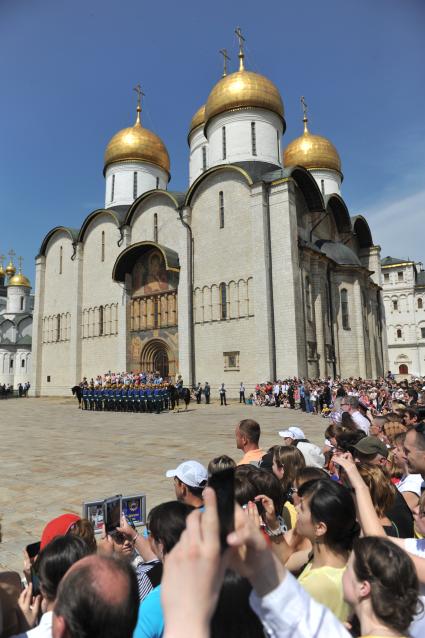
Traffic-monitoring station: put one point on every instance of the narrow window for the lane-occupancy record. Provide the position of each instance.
(155, 228)
(101, 321)
(399, 334)
(157, 182)
(135, 185)
(344, 309)
(58, 328)
(221, 208)
(278, 145)
(253, 139)
(223, 139)
(11, 364)
(113, 188)
(23, 363)
(423, 333)
(322, 186)
(223, 301)
(22, 303)
(156, 302)
(395, 304)
(102, 252)
(386, 277)
(60, 259)
(308, 299)
(400, 276)
(204, 158)
(420, 303)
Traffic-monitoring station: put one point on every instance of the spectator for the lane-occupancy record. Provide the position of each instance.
(350, 404)
(292, 435)
(220, 463)
(190, 478)
(165, 525)
(97, 598)
(247, 435)
(52, 564)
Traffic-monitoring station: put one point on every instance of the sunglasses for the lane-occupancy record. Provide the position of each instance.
(120, 538)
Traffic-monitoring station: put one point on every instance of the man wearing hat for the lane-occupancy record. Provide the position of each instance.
(292, 436)
(371, 450)
(190, 479)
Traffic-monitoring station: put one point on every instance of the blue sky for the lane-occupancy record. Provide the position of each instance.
(68, 68)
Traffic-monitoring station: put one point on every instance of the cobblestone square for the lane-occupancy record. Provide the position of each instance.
(55, 456)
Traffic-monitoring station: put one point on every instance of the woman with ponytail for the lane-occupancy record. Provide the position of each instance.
(327, 517)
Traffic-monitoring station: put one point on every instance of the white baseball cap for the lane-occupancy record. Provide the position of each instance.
(312, 454)
(292, 433)
(190, 473)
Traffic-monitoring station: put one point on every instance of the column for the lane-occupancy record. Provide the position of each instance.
(37, 326)
(184, 301)
(357, 326)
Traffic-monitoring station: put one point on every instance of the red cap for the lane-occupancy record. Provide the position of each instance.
(57, 527)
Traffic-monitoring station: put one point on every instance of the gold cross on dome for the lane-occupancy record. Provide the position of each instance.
(139, 92)
(305, 118)
(225, 59)
(20, 260)
(241, 54)
(11, 254)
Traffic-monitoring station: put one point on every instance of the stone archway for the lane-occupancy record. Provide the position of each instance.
(156, 356)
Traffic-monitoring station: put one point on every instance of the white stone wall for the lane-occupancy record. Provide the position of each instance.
(147, 176)
(407, 348)
(106, 352)
(237, 123)
(197, 141)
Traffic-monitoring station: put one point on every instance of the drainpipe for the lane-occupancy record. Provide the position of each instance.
(190, 310)
(328, 277)
(270, 272)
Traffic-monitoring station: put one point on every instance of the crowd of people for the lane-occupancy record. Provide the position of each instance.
(296, 540)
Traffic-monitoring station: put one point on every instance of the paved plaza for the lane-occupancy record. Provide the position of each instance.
(54, 456)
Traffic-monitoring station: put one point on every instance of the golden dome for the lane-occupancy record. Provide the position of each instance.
(312, 151)
(19, 280)
(197, 119)
(243, 89)
(138, 144)
(10, 269)
(2, 272)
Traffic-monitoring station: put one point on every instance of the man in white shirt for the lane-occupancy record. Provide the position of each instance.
(351, 405)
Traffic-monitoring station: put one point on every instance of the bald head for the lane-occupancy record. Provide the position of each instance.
(98, 597)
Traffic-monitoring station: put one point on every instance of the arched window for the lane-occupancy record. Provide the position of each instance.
(253, 139)
(135, 185)
(157, 182)
(403, 369)
(102, 251)
(204, 158)
(308, 299)
(101, 330)
(223, 141)
(60, 259)
(58, 328)
(155, 228)
(113, 188)
(223, 301)
(344, 309)
(278, 146)
(22, 303)
(399, 334)
(221, 208)
(322, 186)
(420, 304)
(395, 304)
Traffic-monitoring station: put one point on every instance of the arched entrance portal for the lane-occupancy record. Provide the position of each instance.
(403, 369)
(156, 357)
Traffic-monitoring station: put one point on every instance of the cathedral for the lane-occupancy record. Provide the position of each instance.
(256, 272)
(16, 306)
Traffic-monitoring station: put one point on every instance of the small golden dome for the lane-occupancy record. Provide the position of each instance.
(198, 119)
(137, 143)
(243, 89)
(312, 151)
(19, 280)
(10, 269)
